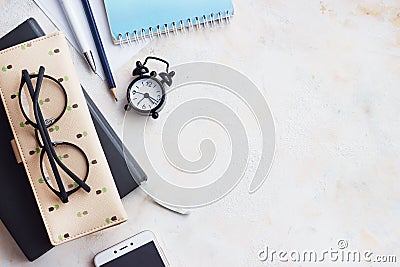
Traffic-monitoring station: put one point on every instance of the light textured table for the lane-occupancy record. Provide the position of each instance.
(331, 74)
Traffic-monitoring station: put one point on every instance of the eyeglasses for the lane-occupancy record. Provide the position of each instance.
(42, 108)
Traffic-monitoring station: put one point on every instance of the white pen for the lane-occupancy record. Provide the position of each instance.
(79, 33)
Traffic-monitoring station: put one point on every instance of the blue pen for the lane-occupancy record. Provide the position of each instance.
(99, 47)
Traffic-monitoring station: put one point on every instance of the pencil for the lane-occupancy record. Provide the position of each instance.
(100, 48)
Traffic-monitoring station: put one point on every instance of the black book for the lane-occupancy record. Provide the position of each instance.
(18, 208)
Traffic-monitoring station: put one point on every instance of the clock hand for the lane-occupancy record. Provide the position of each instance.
(136, 92)
(141, 100)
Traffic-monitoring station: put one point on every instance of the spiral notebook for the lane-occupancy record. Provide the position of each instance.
(132, 20)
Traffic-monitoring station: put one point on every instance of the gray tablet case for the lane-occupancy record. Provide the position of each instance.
(18, 209)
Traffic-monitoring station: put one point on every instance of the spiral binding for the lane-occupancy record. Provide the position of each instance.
(218, 19)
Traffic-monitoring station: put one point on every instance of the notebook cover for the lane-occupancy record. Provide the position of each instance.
(86, 212)
(32, 238)
(24, 32)
(126, 16)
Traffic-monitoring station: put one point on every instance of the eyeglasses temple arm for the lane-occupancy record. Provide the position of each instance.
(73, 176)
(39, 119)
(50, 144)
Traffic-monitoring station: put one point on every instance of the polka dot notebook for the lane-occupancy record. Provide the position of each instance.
(73, 135)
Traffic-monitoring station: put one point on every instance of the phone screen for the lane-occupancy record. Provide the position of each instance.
(144, 256)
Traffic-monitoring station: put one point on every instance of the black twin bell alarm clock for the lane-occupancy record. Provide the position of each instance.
(146, 93)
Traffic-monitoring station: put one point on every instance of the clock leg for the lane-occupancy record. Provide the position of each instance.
(127, 107)
(154, 115)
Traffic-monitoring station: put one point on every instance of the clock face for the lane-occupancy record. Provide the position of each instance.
(146, 94)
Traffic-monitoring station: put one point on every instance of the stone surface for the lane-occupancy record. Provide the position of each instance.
(330, 72)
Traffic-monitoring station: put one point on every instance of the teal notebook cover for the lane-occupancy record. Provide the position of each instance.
(127, 16)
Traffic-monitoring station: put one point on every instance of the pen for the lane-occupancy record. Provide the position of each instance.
(78, 32)
(99, 47)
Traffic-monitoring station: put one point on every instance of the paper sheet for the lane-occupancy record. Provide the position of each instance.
(116, 55)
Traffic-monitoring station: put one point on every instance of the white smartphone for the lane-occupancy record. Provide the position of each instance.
(139, 250)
